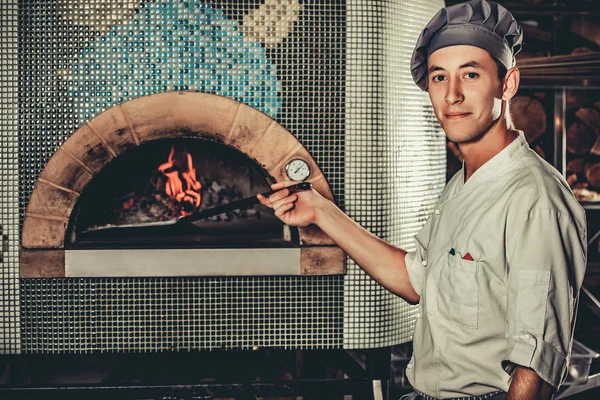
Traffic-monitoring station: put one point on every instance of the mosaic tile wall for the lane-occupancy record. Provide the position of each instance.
(395, 157)
(10, 336)
(334, 73)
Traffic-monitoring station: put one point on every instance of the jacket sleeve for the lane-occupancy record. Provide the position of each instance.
(415, 269)
(545, 273)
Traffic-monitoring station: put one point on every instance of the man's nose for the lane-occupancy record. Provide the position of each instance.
(454, 94)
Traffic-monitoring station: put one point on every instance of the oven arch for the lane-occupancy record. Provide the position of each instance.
(133, 123)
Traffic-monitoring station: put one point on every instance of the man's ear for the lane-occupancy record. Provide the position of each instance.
(511, 83)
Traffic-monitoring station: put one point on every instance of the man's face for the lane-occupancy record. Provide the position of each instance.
(465, 91)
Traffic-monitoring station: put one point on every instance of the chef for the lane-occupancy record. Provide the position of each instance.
(500, 261)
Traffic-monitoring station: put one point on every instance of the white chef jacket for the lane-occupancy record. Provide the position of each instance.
(515, 301)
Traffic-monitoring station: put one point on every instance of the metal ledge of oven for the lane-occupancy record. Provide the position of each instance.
(182, 262)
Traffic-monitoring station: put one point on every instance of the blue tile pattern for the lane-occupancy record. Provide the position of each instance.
(173, 45)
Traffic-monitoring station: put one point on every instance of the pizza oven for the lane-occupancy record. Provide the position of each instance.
(121, 117)
(107, 202)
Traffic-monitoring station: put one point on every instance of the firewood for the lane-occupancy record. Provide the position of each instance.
(577, 98)
(579, 138)
(586, 28)
(590, 118)
(536, 34)
(592, 173)
(529, 116)
(575, 165)
(595, 150)
(580, 185)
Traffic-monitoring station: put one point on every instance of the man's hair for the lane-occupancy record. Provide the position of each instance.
(501, 69)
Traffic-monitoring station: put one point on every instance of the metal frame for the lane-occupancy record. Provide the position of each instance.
(366, 375)
(592, 383)
(251, 390)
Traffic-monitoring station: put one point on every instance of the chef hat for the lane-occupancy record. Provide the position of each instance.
(481, 23)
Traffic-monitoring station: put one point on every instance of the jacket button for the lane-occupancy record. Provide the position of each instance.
(526, 336)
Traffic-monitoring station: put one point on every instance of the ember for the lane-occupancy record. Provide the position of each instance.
(128, 203)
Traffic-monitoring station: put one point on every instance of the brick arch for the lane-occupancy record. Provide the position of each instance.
(159, 116)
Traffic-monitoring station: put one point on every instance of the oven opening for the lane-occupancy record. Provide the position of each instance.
(134, 201)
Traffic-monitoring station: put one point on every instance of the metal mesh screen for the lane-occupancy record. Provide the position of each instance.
(335, 74)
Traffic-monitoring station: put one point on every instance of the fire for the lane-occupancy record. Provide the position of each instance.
(182, 186)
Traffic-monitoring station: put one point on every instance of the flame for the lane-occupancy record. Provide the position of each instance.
(182, 186)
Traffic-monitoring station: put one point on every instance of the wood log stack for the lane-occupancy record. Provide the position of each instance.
(583, 144)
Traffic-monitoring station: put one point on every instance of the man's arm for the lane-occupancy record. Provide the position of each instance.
(382, 261)
(527, 385)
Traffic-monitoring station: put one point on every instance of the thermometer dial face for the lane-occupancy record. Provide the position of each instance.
(297, 170)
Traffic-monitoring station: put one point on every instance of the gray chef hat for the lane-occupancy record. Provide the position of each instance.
(481, 23)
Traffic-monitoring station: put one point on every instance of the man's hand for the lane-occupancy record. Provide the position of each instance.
(298, 209)
(527, 385)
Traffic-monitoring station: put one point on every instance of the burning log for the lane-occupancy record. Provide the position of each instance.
(182, 184)
(169, 189)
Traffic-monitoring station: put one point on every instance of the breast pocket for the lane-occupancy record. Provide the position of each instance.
(458, 291)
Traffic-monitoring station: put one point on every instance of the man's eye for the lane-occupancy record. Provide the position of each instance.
(472, 75)
(438, 78)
